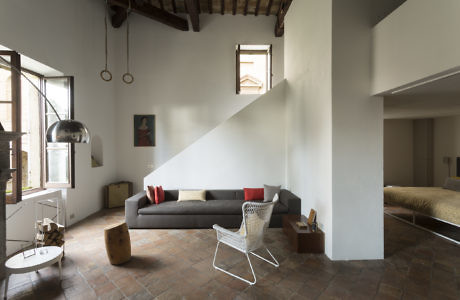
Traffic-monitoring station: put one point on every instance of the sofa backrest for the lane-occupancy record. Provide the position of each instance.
(173, 195)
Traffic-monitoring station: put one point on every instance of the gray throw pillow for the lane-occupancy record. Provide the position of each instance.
(452, 184)
(270, 191)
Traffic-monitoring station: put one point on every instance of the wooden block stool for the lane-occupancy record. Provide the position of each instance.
(117, 243)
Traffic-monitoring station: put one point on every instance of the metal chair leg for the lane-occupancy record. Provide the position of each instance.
(231, 274)
(276, 263)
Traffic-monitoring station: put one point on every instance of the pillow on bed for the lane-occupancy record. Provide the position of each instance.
(452, 184)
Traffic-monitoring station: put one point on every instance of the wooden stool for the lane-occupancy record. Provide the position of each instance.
(117, 243)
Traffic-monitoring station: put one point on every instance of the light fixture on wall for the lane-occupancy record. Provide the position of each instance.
(62, 131)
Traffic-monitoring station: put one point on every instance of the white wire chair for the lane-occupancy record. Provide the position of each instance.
(250, 236)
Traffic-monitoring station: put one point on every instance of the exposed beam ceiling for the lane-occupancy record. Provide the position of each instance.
(119, 16)
(153, 12)
(169, 11)
(269, 7)
(193, 12)
(279, 26)
(257, 8)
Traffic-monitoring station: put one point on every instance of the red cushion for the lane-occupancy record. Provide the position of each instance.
(161, 194)
(150, 194)
(157, 195)
(251, 194)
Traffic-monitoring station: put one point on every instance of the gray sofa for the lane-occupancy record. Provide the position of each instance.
(222, 207)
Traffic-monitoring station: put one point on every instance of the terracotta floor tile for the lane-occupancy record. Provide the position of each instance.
(177, 264)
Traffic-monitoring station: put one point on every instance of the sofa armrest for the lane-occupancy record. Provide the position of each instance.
(291, 201)
(132, 205)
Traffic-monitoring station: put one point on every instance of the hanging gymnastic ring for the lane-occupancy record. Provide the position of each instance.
(106, 75)
(128, 78)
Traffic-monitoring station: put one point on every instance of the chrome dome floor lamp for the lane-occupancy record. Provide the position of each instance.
(61, 131)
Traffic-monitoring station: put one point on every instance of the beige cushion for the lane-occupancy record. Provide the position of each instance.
(192, 195)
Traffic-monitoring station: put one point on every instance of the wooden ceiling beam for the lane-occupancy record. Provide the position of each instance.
(269, 8)
(283, 9)
(193, 12)
(257, 8)
(119, 16)
(210, 6)
(152, 12)
(222, 7)
(234, 8)
(246, 7)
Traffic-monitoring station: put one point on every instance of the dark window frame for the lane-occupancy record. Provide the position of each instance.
(269, 70)
(17, 192)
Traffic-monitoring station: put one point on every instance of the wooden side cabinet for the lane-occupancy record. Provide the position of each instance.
(302, 240)
(115, 194)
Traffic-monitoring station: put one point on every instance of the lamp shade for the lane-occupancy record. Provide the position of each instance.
(68, 131)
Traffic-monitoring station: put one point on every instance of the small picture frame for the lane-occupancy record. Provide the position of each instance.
(144, 130)
(311, 217)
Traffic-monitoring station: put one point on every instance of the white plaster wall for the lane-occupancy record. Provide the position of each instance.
(187, 80)
(398, 152)
(308, 42)
(335, 129)
(357, 137)
(446, 135)
(68, 36)
(416, 41)
(247, 150)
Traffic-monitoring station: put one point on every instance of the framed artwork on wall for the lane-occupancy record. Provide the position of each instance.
(144, 130)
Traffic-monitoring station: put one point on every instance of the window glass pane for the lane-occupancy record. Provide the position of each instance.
(58, 164)
(253, 73)
(57, 91)
(31, 141)
(5, 115)
(5, 84)
(58, 160)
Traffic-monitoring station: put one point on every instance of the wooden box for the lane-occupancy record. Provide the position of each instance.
(115, 194)
(302, 240)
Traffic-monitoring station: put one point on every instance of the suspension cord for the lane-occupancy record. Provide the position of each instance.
(105, 74)
(127, 77)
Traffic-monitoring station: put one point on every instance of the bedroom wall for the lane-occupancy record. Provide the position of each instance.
(247, 150)
(70, 39)
(423, 152)
(446, 143)
(414, 42)
(398, 152)
(187, 80)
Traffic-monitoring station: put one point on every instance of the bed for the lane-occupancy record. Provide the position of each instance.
(436, 202)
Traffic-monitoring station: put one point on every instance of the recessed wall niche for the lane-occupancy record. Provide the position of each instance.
(96, 152)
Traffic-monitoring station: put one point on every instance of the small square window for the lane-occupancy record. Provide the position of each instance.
(253, 69)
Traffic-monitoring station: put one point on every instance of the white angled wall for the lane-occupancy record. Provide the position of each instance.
(247, 150)
(187, 80)
(416, 41)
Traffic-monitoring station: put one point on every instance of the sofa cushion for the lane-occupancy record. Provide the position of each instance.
(212, 207)
(192, 195)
